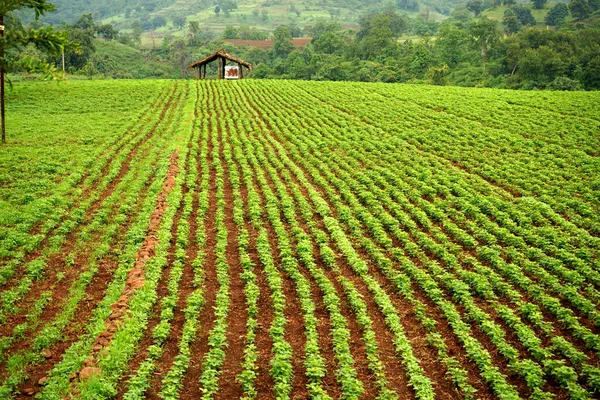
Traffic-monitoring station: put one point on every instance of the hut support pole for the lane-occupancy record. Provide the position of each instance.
(224, 64)
(219, 68)
(241, 71)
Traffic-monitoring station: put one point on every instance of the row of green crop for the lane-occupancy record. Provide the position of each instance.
(563, 178)
(249, 373)
(172, 380)
(360, 309)
(119, 205)
(75, 220)
(141, 379)
(212, 362)
(305, 144)
(54, 216)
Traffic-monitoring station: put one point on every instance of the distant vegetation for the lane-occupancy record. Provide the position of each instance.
(480, 43)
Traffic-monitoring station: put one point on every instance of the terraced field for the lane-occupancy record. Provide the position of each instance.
(278, 239)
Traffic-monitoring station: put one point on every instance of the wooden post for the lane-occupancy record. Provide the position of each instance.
(224, 64)
(204, 71)
(241, 71)
(219, 76)
(3, 112)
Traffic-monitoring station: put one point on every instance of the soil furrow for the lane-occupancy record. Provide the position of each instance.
(135, 279)
(191, 386)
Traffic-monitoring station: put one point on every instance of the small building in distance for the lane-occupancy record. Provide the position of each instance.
(225, 71)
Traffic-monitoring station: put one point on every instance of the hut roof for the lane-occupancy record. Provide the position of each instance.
(217, 54)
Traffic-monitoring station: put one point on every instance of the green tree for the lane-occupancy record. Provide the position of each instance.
(513, 52)
(557, 14)
(82, 46)
(591, 73)
(543, 64)
(485, 34)
(13, 36)
(89, 70)
(438, 75)
(524, 15)
(476, 6)
(565, 84)
(107, 31)
(282, 38)
(86, 22)
(330, 43)
(452, 44)
(539, 4)
(136, 32)
(580, 9)
(217, 10)
(230, 32)
(179, 21)
(511, 22)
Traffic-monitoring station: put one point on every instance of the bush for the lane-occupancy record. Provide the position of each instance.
(438, 75)
(564, 83)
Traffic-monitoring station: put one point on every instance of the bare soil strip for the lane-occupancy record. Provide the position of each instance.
(162, 291)
(186, 286)
(96, 291)
(135, 279)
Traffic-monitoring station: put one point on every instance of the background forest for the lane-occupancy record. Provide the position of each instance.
(493, 43)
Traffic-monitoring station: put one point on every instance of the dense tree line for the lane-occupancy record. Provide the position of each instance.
(465, 51)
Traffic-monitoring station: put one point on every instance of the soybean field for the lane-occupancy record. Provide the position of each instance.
(287, 239)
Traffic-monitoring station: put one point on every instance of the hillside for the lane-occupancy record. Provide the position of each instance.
(264, 14)
(497, 13)
(294, 239)
(126, 62)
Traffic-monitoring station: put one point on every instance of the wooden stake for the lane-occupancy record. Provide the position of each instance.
(3, 112)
